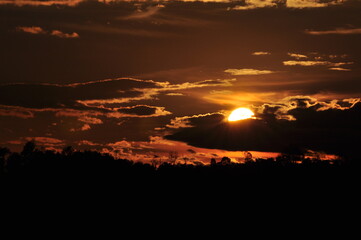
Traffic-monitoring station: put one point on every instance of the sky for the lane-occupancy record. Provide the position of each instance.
(138, 79)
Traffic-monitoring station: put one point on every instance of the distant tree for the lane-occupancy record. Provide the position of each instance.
(198, 163)
(28, 148)
(293, 153)
(247, 156)
(4, 152)
(185, 160)
(225, 161)
(213, 161)
(173, 156)
(68, 151)
(156, 161)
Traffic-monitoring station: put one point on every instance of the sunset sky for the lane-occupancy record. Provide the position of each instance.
(142, 78)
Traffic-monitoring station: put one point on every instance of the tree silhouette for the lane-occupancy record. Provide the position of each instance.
(156, 161)
(91, 167)
(28, 148)
(292, 154)
(185, 159)
(173, 156)
(4, 152)
(247, 156)
(225, 161)
(68, 151)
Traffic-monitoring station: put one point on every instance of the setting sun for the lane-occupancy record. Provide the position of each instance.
(240, 114)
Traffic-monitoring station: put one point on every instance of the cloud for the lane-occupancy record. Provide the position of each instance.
(248, 4)
(90, 120)
(305, 63)
(90, 103)
(60, 34)
(85, 127)
(86, 143)
(329, 126)
(39, 30)
(339, 31)
(312, 3)
(261, 53)
(42, 2)
(123, 30)
(62, 103)
(315, 63)
(139, 111)
(64, 96)
(148, 12)
(340, 69)
(159, 87)
(253, 4)
(11, 111)
(32, 30)
(220, 92)
(297, 55)
(186, 121)
(175, 94)
(46, 142)
(247, 71)
(121, 144)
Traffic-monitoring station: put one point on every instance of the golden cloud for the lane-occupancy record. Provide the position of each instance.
(247, 71)
(261, 53)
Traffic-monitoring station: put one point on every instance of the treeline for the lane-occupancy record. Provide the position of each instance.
(32, 163)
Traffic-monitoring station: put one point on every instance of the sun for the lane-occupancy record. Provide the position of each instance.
(240, 114)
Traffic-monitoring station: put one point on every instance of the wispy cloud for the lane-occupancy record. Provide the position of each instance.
(297, 55)
(32, 30)
(42, 3)
(60, 34)
(340, 69)
(305, 63)
(247, 71)
(184, 122)
(14, 111)
(39, 30)
(141, 14)
(254, 4)
(261, 53)
(315, 63)
(340, 31)
(46, 141)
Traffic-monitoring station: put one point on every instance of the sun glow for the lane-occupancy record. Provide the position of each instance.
(240, 114)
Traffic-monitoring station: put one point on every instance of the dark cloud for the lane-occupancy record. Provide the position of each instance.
(333, 130)
(139, 110)
(60, 96)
